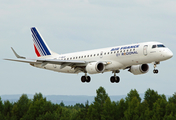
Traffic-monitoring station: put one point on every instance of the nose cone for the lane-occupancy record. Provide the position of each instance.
(169, 54)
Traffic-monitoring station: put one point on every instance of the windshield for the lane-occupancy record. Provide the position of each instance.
(160, 45)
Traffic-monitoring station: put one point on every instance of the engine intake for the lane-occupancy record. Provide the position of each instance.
(95, 67)
(139, 69)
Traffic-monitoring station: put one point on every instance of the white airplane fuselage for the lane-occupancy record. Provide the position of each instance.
(119, 57)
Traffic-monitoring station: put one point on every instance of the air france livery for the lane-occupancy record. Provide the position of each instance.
(134, 57)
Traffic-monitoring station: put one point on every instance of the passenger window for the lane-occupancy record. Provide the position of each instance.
(90, 55)
(114, 51)
(97, 54)
(108, 52)
(104, 53)
(87, 55)
(154, 46)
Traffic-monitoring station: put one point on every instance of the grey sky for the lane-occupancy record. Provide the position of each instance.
(78, 25)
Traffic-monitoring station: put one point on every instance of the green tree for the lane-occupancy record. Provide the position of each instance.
(173, 99)
(82, 113)
(7, 109)
(151, 97)
(1, 106)
(96, 109)
(62, 104)
(170, 117)
(107, 113)
(1, 109)
(39, 107)
(171, 108)
(21, 107)
(121, 108)
(145, 113)
(47, 116)
(159, 109)
(132, 112)
(37, 96)
(132, 94)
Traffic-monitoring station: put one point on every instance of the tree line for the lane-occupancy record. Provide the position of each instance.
(153, 107)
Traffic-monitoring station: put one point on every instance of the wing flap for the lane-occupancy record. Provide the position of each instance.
(60, 62)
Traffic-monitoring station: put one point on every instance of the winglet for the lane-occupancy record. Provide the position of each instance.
(18, 56)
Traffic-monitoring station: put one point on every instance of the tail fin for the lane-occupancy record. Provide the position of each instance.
(40, 46)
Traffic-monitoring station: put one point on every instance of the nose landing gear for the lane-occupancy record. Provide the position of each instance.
(155, 71)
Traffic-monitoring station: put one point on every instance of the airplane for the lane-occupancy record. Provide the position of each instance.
(134, 57)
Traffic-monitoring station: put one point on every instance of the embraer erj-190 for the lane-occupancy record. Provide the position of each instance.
(134, 57)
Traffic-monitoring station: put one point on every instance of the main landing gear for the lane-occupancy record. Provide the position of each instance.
(115, 78)
(85, 78)
(155, 71)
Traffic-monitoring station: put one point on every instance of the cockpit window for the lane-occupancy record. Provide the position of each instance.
(154, 46)
(159, 46)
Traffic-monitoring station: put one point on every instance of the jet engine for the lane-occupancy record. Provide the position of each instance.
(95, 67)
(139, 69)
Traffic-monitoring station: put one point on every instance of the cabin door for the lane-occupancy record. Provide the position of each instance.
(145, 50)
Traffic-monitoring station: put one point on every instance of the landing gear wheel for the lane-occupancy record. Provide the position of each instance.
(112, 79)
(155, 71)
(83, 79)
(117, 80)
(88, 79)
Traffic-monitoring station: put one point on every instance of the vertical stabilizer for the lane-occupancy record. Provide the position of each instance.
(40, 46)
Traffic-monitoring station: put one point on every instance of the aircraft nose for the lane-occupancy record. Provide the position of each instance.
(169, 54)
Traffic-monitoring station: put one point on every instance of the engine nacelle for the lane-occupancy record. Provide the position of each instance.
(139, 69)
(95, 67)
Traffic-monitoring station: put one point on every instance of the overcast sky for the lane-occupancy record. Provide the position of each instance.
(78, 25)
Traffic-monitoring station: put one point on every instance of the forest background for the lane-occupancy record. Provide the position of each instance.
(153, 107)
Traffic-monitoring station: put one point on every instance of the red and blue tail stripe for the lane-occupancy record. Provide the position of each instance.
(41, 48)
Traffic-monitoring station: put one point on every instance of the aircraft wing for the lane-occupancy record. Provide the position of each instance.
(43, 61)
(63, 63)
(50, 61)
(23, 60)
